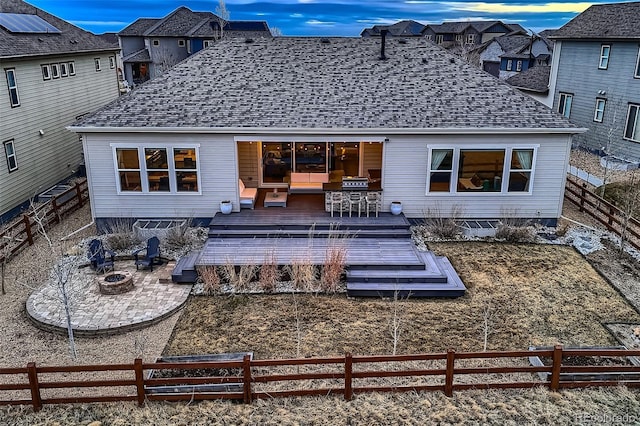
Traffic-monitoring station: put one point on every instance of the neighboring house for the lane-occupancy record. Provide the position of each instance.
(406, 28)
(150, 46)
(595, 77)
(534, 82)
(444, 135)
(53, 73)
(513, 53)
(468, 34)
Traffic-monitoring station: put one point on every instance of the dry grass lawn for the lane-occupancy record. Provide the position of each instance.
(535, 294)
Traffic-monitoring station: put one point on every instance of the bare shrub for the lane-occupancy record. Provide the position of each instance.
(440, 225)
(303, 273)
(178, 237)
(238, 277)
(120, 235)
(269, 273)
(514, 229)
(212, 284)
(334, 262)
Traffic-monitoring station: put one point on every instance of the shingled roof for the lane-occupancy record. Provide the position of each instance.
(71, 39)
(603, 21)
(337, 83)
(534, 79)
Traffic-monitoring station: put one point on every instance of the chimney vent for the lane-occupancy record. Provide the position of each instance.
(383, 38)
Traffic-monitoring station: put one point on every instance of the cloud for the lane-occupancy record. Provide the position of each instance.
(296, 15)
(520, 8)
(317, 22)
(99, 23)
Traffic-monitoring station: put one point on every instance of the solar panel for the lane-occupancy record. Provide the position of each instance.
(24, 23)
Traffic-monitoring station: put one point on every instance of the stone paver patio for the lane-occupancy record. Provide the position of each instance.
(94, 313)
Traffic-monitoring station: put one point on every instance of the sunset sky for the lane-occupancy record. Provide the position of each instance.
(317, 17)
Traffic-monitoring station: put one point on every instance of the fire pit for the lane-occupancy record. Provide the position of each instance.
(116, 282)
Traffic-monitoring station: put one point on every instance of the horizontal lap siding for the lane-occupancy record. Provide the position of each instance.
(218, 178)
(405, 178)
(50, 106)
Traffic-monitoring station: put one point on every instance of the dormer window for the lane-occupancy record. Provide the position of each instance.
(605, 50)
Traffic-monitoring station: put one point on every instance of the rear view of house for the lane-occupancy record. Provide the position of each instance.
(53, 73)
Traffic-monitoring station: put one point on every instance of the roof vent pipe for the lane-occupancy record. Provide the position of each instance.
(383, 38)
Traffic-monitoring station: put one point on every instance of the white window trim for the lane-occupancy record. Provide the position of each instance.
(72, 68)
(46, 68)
(561, 94)
(14, 156)
(64, 71)
(506, 170)
(155, 42)
(55, 70)
(599, 110)
(14, 87)
(96, 62)
(509, 65)
(112, 62)
(471, 38)
(518, 65)
(206, 43)
(637, 70)
(181, 43)
(439, 38)
(173, 185)
(459, 38)
(635, 123)
(428, 36)
(603, 57)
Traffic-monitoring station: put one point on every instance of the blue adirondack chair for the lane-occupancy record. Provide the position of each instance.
(151, 256)
(100, 259)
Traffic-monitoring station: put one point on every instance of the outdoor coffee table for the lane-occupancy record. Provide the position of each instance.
(275, 199)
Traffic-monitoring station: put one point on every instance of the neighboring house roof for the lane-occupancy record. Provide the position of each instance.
(547, 33)
(138, 27)
(406, 28)
(319, 83)
(70, 39)
(603, 21)
(534, 79)
(513, 42)
(111, 38)
(141, 55)
(479, 26)
(246, 26)
(178, 23)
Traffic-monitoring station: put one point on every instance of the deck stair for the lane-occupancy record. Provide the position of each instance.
(380, 255)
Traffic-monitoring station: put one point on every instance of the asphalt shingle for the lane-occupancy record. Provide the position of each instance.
(604, 21)
(305, 82)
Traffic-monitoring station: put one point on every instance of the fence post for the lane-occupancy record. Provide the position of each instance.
(246, 369)
(54, 207)
(448, 378)
(36, 401)
(612, 212)
(79, 194)
(583, 194)
(27, 228)
(137, 367)
(348, 376)
(555, 370)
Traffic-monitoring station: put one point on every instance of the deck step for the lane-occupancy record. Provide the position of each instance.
(185, 270)
(403, 291)
(304, 233)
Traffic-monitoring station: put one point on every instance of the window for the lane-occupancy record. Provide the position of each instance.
(471, 38)
(441, 168)
(310, 157)
(459, 38)
(599, 113)
(520, 170)
(186, 169)
(112, 62)
(519, 66)
(10, 152)
(509, 65)
(429, 37)
(55, 70)
(46, 72)
(156, 42)
(181, 43)
(632, 129)
(637, 73)
(439, 38)
(155, 170)
(96, 62)
(564, 104)
(129, 169)
(480, 171)
(12, 85)
(63, 70)
(72, 68)
(207, 43)
(605, 50)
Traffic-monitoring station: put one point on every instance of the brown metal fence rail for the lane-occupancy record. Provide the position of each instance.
(603, 211)
(23, 232)
(347, 376)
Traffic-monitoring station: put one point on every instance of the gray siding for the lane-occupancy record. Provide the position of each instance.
(248, 161)
(579, 75)
(50, 106)
(166, 54)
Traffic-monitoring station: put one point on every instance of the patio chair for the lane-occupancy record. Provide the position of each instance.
(336, 199)
(100, 259)
(355, 199)
(151, 256)
(373, 202)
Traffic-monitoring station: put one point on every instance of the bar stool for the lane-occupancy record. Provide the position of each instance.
(373, 199)
(336, 198)
(355, 198)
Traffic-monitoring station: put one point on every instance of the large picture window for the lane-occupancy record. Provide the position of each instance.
(9, 150)
(632, 129)
(160, 169)
(480, 171)
(311, 157)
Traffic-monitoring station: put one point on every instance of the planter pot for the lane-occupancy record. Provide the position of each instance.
(396, 207)
(226, 207)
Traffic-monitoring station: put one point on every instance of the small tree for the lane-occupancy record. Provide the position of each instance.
(222, 16)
